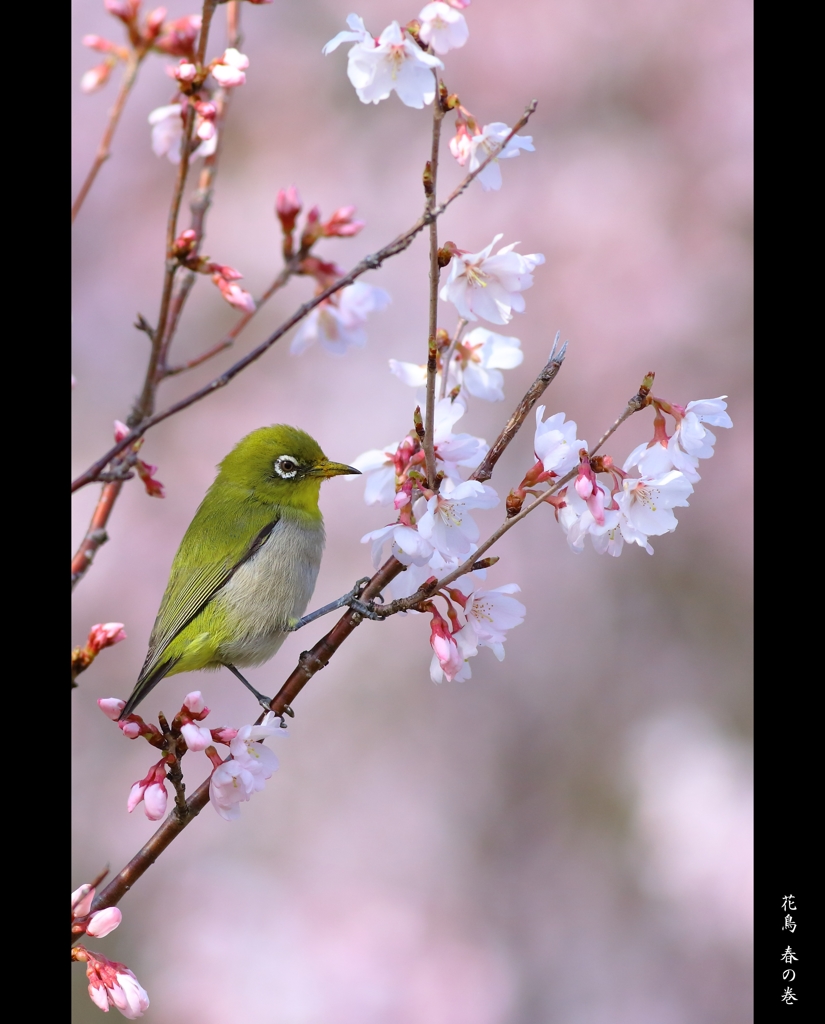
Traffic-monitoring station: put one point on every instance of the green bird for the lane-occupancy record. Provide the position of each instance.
(246, 567)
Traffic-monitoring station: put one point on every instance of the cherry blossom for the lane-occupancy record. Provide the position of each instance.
(338, 322)
(555, 442)
(393, 62)
(245, 772)
(229, 70)
(442, 27)
(490, 613)
(477, 148)
(167, 134)
(692, 436)
(444, 519)
(105, 634)
(481, 285)
(474, 365)
(647, 503)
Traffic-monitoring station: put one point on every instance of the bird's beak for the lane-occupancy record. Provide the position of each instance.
(326, 469)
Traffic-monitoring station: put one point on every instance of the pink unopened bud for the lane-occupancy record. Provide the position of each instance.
(103, 922)
(205, 131)
(227, 76)
(341, 223)
(194, 701)
(111, 707)
(126, 10)
(99, 43)
(225, 734)
(287, 207)
(131, 730)
(185, 72)
(121, 430)
(105, 634)
(234, 294)
(154, 801)
(179, 36)
(207, 109)
(82, 900)
(96, 77)
(197, 737)
(154, 21)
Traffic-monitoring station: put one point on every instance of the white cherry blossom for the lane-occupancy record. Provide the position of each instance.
(477, 148)
(647, 503)
(555, 442)
(338, 322)
(482, 285)
(490, 613)
(445, 521)
(442, 27)
(691, 434)
(393, 62)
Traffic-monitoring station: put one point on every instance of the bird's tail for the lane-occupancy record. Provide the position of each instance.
(144, 685)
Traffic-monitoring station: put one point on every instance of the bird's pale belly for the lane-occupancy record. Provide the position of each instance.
(269, 592)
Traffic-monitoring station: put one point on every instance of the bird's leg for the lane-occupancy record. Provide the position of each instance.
(265, 702)
(349, 600)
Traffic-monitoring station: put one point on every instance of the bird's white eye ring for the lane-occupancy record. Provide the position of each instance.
(286, 467)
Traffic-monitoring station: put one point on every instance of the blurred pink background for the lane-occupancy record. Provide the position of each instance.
(567, 836)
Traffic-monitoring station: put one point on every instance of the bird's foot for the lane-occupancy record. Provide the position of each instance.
(349, 600)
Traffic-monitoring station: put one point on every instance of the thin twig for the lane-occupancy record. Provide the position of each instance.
(370, 262)
(104, 149)
(96, 535)
(534, 393)
(448, 355)
(430, 188)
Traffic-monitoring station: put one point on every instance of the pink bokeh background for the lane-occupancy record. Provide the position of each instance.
(567, 836)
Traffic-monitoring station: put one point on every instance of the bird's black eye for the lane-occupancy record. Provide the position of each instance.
(286, 467)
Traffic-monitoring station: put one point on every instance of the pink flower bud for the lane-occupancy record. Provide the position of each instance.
(121, 430)
(179, 36)
(341, 223)
(194, 701)
(99, 43)
(185, 72)
(154, 21)
(227, 76)
(126, 10)
(82, 900)
(103, 922)
(111, 707)
(234, 294)
(96, 77)
(206, 131)
(287, 207)
(197, 737)
(225, 734)
(154, 801)
(105, 634)
(131, 730)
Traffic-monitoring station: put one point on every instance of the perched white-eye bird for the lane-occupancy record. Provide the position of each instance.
(247, 565)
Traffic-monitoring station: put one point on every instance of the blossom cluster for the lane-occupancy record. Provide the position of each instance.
(110, 983)
(631, 509)
(233, 781)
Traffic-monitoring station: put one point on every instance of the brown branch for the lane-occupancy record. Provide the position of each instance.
(104, 149)
(96, 535)
(309, 663)
(370, 262)
(430, 186)
(534, 393)
(639, 401)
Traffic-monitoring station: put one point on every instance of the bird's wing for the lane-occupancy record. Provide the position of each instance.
(193, 584)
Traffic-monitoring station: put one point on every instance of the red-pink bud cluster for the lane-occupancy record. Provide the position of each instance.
(178, 37)
(112, 984)
(99, 923)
